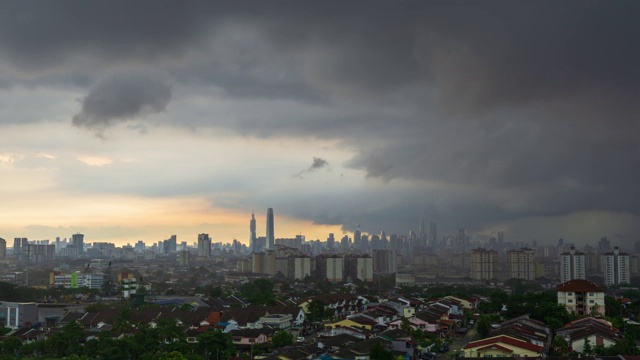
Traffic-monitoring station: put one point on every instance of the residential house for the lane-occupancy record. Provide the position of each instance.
(251, 336)
(416, 323)
(596, 331)
(358, 322)
(502, 346)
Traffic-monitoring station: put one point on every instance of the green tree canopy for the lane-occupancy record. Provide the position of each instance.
(259, 292)
(216, 343)
(281, 338)
(379, 352)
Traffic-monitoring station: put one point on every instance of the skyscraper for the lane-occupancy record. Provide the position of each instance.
(3, 248)
(17, 244)
(616, 267)
(204, 247)
(572, 265)
(270, 235)
(252, 230)
(77, 240)
(432, 234)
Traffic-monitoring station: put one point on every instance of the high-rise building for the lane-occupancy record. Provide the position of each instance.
(521, 264)
(384, 261)
(616, 267)
(3, 248)
(572, 265)
(204, 247)
(422, 235)
(358, 267)
(604, 244)
(331, 241)
(483, 263)
(432, 234)
(330, 267)
(171, 245)
(270, 234)
(17, 246)
(357, 239)
(77, 240)
(252, 233)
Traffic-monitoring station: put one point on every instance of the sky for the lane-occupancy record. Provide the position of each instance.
(131, 121)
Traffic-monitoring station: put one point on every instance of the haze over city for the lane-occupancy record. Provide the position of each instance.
(132, 121)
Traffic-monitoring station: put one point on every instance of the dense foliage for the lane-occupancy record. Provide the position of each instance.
(166, 341)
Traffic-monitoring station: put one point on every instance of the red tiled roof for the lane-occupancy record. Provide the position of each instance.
(579, 285)
(507, 340)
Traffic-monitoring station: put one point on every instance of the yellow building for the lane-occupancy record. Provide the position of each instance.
(356, 323)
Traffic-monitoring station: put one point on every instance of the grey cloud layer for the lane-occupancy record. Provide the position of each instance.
(123, 96)
(532, 103)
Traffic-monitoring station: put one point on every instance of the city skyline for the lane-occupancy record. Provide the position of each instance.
(133, 121)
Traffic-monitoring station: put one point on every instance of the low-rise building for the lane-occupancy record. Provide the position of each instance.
(581, 297)
(502, 346)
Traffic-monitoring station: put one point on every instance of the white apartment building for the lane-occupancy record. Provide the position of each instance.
(572, 265)
(616, 267)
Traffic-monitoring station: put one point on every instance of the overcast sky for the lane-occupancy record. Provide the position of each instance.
(138, 120)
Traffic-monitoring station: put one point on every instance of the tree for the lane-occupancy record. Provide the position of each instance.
(216, 292)
(379, 352)
(316, 310)
(173, 355)
(612, 306)
(169, 330)
(484, 326)
(587, 349)
(281, 338)
(67, 341)
(560, 346)
(259, 292)
(11, 345)
(216, 343)
(405, 325)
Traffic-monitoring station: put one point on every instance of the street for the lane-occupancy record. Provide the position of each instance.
(455, 345)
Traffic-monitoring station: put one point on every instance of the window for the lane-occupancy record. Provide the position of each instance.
(591, 301)
(570, 301)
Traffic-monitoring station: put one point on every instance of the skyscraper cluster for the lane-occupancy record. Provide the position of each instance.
(262, 243)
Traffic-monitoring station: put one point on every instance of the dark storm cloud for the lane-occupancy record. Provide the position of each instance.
(318, 163)
(534, 103)
(123, 96)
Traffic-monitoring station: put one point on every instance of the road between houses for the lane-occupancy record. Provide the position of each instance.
(456, 344)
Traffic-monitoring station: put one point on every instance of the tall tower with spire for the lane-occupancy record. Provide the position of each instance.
(422, 235)
(270, 235)
(252, 230)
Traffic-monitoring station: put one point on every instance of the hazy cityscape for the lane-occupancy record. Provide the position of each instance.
(319, 180)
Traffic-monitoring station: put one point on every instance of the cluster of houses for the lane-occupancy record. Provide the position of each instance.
(351, 325)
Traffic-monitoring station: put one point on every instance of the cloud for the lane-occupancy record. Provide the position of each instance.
(10, 158)
(318, 163)
(529, 109)
(123, 96)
